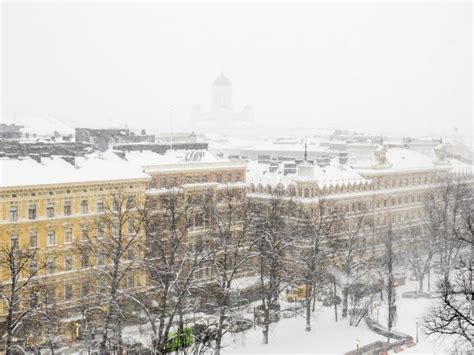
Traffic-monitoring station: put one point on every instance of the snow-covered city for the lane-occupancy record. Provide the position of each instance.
(236, 178)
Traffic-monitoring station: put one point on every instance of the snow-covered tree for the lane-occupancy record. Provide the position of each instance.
(173, 260)
(273, 240)
(453, 313)
(316, 227)
(111, 250)
(229, 216)
(20, 292)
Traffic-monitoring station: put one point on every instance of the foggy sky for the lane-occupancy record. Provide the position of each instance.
(380, 67)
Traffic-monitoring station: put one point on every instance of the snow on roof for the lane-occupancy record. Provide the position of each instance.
(149, 158)
(55, 170)
(408, 159)
(396, 159)
(333, 174)
(40, 125)
(179, 160)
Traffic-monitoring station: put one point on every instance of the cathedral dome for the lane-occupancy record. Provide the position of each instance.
(222, 81)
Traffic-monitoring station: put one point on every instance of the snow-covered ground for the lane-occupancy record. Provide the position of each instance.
(288, 336)
(329, 337)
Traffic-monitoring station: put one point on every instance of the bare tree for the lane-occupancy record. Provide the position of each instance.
(349, 248)
(452, 315)
(230, 215)
(388, 239)
(172, 259)
(273, 240)
(420, 253)
(442, 205)
(111, 249)
(19, 292)
(316, 226)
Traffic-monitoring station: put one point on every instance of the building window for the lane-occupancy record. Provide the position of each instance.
(32, 212)
(162, 182)
(51, 238)
(130, 253)
(84, 206)
(130, 281)
(68, 262)
(33, 240)
(50, 210)
(68, 292)
(67, 208)
(84, 233)
(115, 204)
(100, 231)
(85, 288)
(130, 202)
(33, 266)
(68, 235)
(131, 227)
(84, 261)
(51, 265)
(115, 230)
(13, 214)
(100, 206)
(14, 242)
(100, 259)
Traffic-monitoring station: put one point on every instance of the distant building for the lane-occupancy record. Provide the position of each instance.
(10, 131)
(102, 138)
(222, 117)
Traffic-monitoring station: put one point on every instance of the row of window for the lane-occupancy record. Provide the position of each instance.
(67, 209)
(174, 181)
(85, 262)
(68, 235)
(406, 181)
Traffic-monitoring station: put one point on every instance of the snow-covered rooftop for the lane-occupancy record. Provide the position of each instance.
(55, 170)
(178, 160)
(332, 174)
(149, 158)
(396, 159)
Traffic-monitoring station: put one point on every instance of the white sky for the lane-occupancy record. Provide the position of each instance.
(380, 66)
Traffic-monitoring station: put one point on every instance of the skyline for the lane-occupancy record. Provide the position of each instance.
(379, 68)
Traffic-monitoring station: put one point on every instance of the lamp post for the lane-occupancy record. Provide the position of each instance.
(357, 346)
(417, 330)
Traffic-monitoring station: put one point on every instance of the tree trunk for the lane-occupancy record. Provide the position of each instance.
(345, 295)
(335, 298)
(429, 277)
(308, 307)
(420, 283)
(266, 325)
(308, 314)
(219, 331)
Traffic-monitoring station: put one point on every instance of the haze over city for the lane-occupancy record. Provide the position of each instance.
(403, 68)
